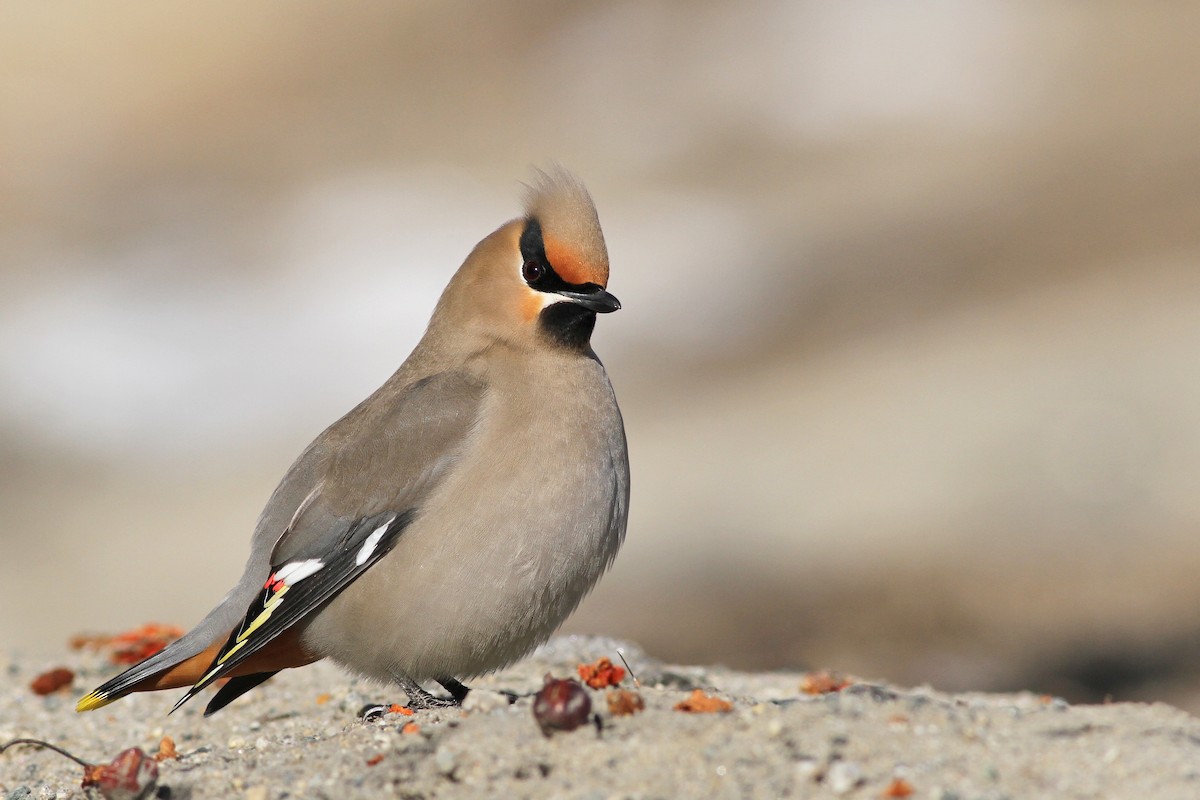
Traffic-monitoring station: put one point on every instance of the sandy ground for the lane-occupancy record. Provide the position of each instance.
(870, 740)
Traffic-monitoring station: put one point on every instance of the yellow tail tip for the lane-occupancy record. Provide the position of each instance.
(93, 701)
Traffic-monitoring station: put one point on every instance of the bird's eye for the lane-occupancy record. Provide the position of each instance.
(532, 271)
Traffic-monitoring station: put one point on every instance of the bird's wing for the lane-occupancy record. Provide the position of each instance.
(297, 587)
(385, 455)
(358, 484)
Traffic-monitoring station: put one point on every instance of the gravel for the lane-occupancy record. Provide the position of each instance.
(299, 736)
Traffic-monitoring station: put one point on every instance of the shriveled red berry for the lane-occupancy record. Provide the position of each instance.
(132, 775)
(51, 681)
(600, 674)
(561, 705)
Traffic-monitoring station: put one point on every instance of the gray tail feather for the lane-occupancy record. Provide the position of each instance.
(215, 626)
(175, 653)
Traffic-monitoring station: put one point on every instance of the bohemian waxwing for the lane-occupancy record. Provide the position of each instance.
(453, 519)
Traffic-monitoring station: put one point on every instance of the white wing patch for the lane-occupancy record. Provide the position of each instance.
(371, 543)
(293, 573)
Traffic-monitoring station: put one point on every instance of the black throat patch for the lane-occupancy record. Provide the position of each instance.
(568, 325)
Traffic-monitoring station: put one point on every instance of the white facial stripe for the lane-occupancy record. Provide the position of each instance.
(297, 571)
(549, 298)
(371, 543)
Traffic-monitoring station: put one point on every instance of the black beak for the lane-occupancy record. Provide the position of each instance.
(593, 299)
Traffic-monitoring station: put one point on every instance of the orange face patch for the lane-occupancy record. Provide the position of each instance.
(532, 305)
(569, 264)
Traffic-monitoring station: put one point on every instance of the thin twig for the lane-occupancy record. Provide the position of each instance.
(48, 746)
(636, 683)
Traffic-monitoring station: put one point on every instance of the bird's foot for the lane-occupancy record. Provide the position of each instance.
(419, 699)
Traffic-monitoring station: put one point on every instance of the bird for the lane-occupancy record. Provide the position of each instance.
(449, 523)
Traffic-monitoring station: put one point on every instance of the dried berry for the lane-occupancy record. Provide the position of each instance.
(700, 703)
(601, 674)
(622, 702)
(561, 705)
(141, 643)
(823, 682)
(898, 788)
(166, 749)
(51, 681)
(131, 646)
(131, 775)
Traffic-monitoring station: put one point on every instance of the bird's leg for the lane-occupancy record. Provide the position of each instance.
(456, 689)
(420, 699)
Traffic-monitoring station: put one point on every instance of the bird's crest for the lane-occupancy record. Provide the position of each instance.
(570, 227)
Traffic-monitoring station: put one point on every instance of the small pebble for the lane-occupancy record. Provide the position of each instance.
(843, 776)
(484, 702)
(446, 761)
(372, 712)
(806, 770)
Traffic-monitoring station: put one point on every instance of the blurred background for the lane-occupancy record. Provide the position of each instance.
(909, 354)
